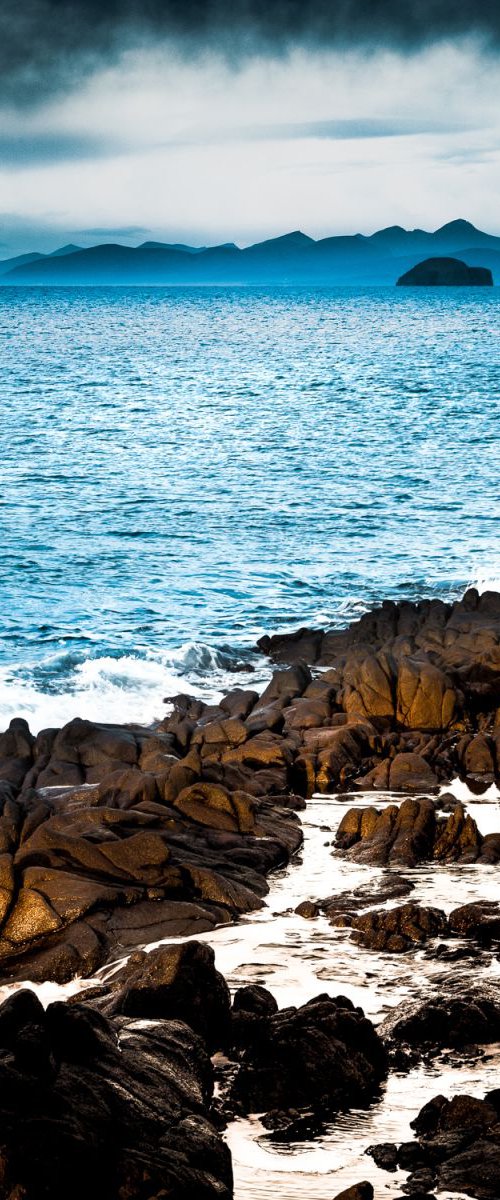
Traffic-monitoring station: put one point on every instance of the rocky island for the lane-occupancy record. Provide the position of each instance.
(117, 838)
(446, 272)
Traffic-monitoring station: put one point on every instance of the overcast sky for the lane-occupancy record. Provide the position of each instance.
(236, 126)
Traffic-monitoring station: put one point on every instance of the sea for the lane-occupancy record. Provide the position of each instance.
(185, 469)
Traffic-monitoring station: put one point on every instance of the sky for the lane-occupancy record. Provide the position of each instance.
(205, 121)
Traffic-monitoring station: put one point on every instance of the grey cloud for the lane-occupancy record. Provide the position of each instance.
(113, 230)
(38, 148)
(353, 128)
(45, 44)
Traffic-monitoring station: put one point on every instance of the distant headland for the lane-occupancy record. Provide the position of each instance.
(446, 272)
(380, 259)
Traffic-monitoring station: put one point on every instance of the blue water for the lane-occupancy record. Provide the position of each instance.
(184, 469)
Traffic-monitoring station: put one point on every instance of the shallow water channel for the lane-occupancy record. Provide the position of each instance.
(297, 959)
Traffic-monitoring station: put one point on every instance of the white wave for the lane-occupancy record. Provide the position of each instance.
(130, 688)
(487, 581)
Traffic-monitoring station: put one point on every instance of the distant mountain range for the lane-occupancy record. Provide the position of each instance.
(292, 259)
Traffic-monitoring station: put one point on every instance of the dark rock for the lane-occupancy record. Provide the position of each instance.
(398, 929)
(466, 1018)
(176, 982)
(385, 1155)
(111, 1110)
(252, 1007)
(360, 1191)
(447, 272)
(325, 1055)
(254, 999)
(460, 1141)
(307, 909)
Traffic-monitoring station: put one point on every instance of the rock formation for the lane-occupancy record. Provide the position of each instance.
(105, 1109)
(115, 836)
(445, 272)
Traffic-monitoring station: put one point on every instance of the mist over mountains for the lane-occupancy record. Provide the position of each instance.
(294, 258)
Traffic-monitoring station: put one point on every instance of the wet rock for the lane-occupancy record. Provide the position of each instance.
(252, 1007)
(385, 1155)
(479, 920)
(397, 930)
(454, 1020)
(176, 982)
(460, 1141)
(360, 1191)
(412, 833)
(367, 895)
(325, 1055)
(307, 909)
(401, 834)
(111, 1110)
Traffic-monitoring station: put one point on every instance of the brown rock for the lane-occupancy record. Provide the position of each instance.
(411, 773)
(215, 806)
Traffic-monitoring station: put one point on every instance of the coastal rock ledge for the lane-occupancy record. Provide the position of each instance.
(113, 837)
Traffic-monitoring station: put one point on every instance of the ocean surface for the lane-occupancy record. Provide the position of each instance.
(182, 470)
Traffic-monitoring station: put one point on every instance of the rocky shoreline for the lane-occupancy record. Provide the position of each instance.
(117, 837)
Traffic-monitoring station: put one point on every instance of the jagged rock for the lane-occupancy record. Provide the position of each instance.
(176, 982)
(459, 1141)
(109, 1110)
(399, 929)
(411, 833)
(425, 666)
(461, 1019)
(126, 875)
(325, 1055)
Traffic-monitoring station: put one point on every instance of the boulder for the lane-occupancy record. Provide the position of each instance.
(459, 1141)
(111, 1110)
(176, 982)
(469, 1017)
(359, 1191)
(325, 1055)
(397, 930)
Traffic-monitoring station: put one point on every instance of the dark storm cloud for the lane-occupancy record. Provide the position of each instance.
(45, 44)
